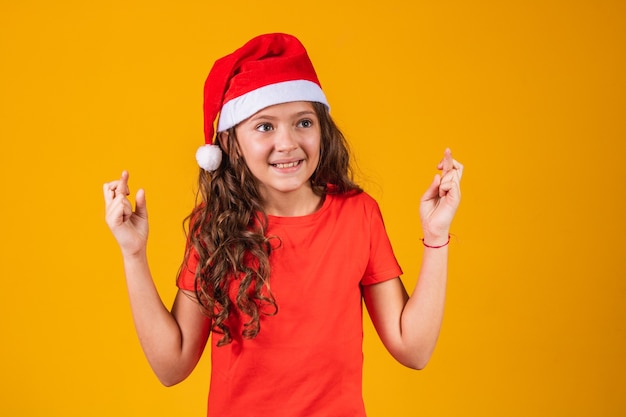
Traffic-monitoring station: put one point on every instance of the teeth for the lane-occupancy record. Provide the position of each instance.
(288, 165)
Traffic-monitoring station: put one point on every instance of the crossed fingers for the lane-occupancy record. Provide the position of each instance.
(451, 173)
(118, 187)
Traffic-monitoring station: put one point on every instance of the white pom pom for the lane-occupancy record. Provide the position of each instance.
(209, 157)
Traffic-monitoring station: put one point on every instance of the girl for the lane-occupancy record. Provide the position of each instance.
(282, 248)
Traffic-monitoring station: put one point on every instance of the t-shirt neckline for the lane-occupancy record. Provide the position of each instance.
(307, 218)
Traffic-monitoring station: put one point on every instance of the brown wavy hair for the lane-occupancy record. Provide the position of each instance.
(227, 229)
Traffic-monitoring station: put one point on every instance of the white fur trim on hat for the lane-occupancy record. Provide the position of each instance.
(240, 108)
(209, 157)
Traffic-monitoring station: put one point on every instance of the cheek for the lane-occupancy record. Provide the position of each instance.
(254, 151)
(317, 150)
(313, 145)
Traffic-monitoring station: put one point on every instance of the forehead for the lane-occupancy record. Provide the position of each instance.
(286, 109)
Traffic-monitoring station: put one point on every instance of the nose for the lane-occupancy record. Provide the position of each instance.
(285, 140)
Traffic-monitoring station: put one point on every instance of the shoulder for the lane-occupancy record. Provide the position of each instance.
(354, 203)
(356, 197)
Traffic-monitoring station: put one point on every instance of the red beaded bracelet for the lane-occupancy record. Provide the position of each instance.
(435, 247)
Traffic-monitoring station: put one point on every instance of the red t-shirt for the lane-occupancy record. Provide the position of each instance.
(307, 360)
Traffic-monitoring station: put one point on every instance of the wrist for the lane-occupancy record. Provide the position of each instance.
(435, 236)
(134, 256)
(435, 243)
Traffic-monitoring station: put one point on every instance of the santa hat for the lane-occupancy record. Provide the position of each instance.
(269, 69)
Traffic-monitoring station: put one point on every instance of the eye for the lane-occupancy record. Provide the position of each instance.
(264, 127)
(305, 123)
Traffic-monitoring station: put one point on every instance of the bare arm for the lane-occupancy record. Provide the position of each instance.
(173, 341)
(409, 326)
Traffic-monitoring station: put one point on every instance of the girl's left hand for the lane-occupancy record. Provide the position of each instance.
(440, 202)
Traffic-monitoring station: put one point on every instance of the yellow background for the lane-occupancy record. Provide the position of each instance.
(530, 95)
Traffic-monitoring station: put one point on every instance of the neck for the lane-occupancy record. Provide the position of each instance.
(300, 203)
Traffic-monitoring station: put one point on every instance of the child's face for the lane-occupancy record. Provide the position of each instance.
(281, 147)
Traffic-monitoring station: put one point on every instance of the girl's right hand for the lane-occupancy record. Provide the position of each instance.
(129, 227)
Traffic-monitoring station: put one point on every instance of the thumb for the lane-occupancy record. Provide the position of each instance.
(140, 204)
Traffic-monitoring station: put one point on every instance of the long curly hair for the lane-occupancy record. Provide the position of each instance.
(227, 230)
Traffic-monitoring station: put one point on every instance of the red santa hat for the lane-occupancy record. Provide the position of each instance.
(269, 69)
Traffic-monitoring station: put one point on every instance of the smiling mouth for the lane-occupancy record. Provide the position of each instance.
(287, 164)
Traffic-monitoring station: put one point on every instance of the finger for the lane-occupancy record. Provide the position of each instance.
(127, 211)
(119, 186)
(452, 177)
(453, 174)
(140, 204)
(446, 162)
(117, 211)
(459, 168)
(123, 184)
(447, 182)
(450, 190)
(109, 193)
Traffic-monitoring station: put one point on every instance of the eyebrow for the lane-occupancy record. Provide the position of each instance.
(261, 116)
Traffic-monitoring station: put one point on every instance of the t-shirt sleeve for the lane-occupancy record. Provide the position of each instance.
(187, 275)
(382, 265)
